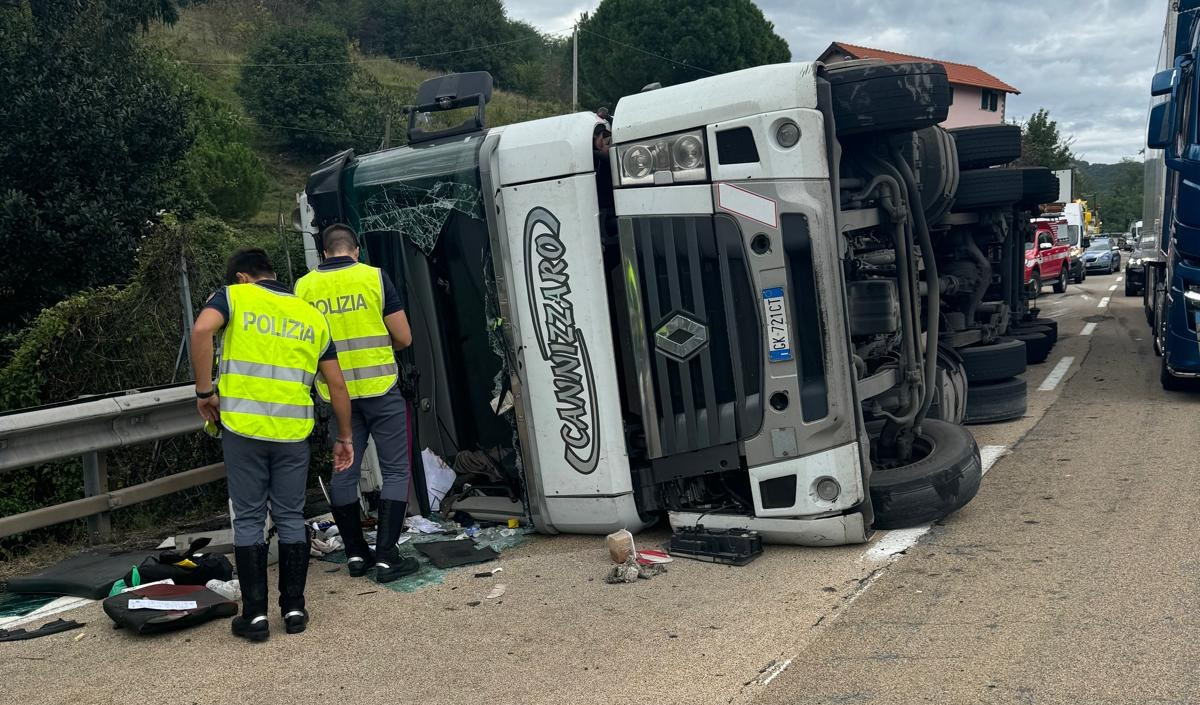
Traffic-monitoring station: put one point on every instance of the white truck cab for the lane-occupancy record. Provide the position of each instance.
(668, 328)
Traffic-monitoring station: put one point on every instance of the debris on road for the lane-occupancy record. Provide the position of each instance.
(620, 545)
(497, 591)
(56, 627)
(726, 546)
(631, 571)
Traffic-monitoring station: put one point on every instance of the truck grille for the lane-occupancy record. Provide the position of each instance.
(701, 330)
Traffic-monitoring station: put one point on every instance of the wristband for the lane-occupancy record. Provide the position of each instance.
(205, 395)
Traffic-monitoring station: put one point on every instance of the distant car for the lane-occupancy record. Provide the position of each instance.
(1135, 273)
(1103, 256)
(1128, 243)
(1047, 260)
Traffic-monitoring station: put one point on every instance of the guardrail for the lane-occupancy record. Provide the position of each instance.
(88, 429)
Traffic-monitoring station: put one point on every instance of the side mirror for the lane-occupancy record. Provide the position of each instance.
(1158, 127)
(1087, 242)
(1164, 82)
(1045, 246)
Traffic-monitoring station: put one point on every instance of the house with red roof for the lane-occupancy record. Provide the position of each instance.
(977, 97)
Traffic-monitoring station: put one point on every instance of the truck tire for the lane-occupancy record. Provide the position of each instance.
(988, 188)
(1035, 327)
(982, 146)
(996, 401)
(993, 362)
(937, 171)
(1037, 345)
(950, 390)
(1060, 284)
(870, 96)
(1038, 185)
(943, 480)
(1043, 323)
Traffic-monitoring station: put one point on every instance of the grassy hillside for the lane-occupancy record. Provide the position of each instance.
(211, 40)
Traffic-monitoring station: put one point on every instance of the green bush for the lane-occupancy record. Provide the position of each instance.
(220, 175)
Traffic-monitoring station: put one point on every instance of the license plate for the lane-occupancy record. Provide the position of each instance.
(779, 342)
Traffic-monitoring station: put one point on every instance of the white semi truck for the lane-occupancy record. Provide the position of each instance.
(760, 309)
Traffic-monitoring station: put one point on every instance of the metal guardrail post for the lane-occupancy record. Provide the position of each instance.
(95, 482)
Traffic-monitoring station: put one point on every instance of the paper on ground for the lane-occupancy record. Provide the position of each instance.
(420, 525)
(439, 478)
(168, 605)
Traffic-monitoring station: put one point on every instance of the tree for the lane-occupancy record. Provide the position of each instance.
(621, 43)
(301, 84)
(220, 175)
(1042, 145)
(92, 131)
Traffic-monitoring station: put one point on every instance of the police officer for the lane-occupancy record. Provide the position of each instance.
(272, 346)
(367, 318)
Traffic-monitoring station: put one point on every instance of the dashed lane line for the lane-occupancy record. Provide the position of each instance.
(1056, 374)
(990, 454)
(1113, 287)
(1103, 303)
(1087, 330)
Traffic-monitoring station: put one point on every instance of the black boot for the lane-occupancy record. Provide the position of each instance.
(359, 557)
(252, 575)
(388, 564)
(293, 573)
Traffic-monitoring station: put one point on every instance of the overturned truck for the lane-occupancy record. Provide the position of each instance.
(771, 304)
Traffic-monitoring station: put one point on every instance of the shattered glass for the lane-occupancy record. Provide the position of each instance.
(419, 214)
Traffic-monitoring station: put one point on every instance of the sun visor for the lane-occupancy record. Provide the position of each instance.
(715, 99)
(547, 149)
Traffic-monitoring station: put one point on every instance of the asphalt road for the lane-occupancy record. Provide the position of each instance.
(1069, 579)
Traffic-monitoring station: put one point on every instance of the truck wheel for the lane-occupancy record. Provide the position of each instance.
(873, 96)
(987, 145)
(950, 390)
(1035, 326)
(937, 169)
(1048, 323)
(1060, 284)
(987, 188)
(1037, 345)
(998, 401)
(944, 478)
(1038, 185)
(993, 362)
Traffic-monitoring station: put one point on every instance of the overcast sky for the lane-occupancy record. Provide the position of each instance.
(1088, 63)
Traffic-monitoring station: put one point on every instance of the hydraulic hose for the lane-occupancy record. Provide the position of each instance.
(933, 295)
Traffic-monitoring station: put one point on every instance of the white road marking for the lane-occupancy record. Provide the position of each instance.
(1085, 297)
(776, 670)
(1118, 280)
(1056, 375)
(1103, 303)
(1087, 330)
(990, 454)
(894, 543)
(1055, 314)
(1113, 287)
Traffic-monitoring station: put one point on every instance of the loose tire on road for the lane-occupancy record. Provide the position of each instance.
(1038, 185)
(996, 401)
(942, 481)
(993, 362)
(1037, 345)
(988, 188)
(987, 145)
(870, 96)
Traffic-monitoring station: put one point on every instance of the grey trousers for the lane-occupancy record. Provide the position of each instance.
(262, 471)
(384, 418)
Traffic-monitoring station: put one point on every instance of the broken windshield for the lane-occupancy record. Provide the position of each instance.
(415, 191)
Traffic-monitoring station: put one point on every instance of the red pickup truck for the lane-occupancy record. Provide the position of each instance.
(1048, 257)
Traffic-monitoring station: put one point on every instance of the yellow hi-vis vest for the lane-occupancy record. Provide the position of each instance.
(269, 353)
(351, 298)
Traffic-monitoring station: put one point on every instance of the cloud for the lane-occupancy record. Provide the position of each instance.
(1088, 64)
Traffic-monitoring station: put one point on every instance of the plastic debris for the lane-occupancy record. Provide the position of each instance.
(439, 478)
(631, 571)
(620, 545)
(420, 525)
(229, 589)
(514, 523)
(653, 556)
(497, 591)
(489, 573)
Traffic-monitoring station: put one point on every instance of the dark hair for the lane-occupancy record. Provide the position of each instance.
(338, 237)
(248, 260)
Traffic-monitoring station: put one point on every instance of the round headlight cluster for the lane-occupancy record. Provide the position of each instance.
(688, 152)
(638, 162)
(787, 135)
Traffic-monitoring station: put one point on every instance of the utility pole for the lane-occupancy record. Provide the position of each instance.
(575, 70)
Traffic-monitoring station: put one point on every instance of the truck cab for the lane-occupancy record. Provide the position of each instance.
(1048, 256)
(743, 315)
(1172, 215)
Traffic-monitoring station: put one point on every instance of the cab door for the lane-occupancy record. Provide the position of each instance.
(1049, 257)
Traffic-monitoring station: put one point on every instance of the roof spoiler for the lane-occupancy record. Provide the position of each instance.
(457, 90)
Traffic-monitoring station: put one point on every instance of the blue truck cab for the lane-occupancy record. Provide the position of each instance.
(1172, 208)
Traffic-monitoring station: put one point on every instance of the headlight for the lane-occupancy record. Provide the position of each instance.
(1134, 261)
(663, 160)
(1106, 255)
